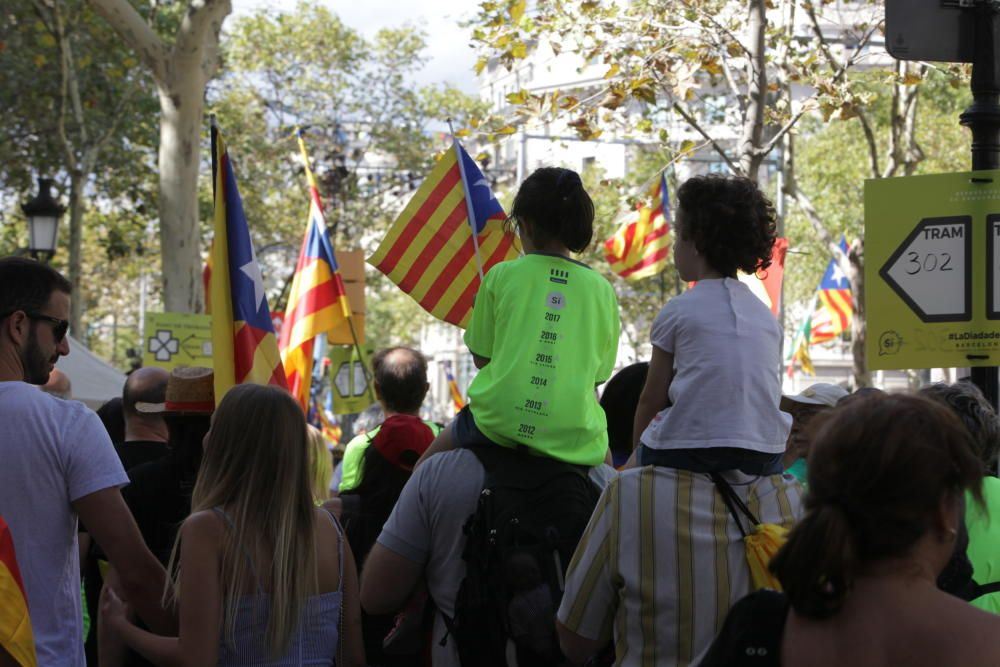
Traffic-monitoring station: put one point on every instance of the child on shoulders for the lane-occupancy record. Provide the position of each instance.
(710, 402)
(544, 333)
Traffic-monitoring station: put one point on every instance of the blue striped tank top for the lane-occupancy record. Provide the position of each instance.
(314, 641)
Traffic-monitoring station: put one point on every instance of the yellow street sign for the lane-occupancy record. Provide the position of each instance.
(347, 379)
(177, 339)
(932, 270)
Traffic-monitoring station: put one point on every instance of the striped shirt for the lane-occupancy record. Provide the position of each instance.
(662, 561)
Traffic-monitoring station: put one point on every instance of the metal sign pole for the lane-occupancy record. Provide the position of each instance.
(983, 119)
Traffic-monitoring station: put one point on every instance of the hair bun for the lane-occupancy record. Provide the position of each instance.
(568, 182)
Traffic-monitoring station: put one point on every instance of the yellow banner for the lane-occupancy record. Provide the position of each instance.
(347, 379)
(177, 339)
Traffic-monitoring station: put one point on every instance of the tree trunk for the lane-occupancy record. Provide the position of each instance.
(751, 156)
(180, 134)
(76, 206)
(181, 72)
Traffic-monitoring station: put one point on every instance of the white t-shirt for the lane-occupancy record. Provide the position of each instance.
(727, 359)
(53, 452)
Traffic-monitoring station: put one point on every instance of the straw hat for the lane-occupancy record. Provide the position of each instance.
(190, 391)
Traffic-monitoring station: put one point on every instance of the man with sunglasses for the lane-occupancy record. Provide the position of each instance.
(58, 464)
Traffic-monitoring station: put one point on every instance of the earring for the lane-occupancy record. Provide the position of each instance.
(952, 535)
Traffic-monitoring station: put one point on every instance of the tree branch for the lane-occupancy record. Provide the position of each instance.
(696, 126)
(135, 32)
(871, 142)
(193, 37)
(785, 129)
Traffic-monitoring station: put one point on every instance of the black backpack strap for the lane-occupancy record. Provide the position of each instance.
(985, 589)
(518, 468)
(734, 503)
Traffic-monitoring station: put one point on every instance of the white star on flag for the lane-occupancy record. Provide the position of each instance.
(483, 183)
(252, 271)
(838, 275)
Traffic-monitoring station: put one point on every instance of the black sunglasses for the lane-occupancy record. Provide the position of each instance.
(59, 327)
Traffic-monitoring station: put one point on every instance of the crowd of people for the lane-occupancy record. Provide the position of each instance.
(690, 514)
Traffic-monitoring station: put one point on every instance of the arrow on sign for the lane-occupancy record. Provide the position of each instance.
(931, 270)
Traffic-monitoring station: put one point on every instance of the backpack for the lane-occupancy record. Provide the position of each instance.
(760, 540)
(956, 578)
(530, 516)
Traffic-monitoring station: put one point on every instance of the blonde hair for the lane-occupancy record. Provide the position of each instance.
(320, 464)
(256, 467)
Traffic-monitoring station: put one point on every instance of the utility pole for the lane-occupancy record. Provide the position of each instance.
(983, 119)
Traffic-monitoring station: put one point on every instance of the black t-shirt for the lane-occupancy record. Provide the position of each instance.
(159, 497)
(136, 452)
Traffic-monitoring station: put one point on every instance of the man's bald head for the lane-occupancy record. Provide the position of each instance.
(148, 385)
(400, 379)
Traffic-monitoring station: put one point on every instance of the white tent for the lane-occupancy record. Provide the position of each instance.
(93, 380)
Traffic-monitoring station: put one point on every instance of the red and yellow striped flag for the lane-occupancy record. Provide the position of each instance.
(640, 248)
(317, 300)
(15, 623)
(429, 251)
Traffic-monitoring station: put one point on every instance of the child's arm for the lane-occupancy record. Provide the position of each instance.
(479, 361)
(200, 602)
(654, 392)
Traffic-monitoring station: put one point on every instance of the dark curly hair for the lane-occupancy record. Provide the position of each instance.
(729, 220)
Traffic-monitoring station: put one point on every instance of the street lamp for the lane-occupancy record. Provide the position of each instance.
(43, 213)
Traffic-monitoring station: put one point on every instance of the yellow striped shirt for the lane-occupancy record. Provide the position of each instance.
(662, 561)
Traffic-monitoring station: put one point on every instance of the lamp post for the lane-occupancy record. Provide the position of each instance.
(43, 213)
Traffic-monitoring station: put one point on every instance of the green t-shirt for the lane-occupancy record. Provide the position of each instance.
(984, 541)
(354, 457)
(549, 326)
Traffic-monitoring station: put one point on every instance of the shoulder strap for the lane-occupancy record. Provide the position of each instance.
(340, 546)
(518, 468)
(734, 503)
(985, 589)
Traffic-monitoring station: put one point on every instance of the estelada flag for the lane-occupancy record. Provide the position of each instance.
(317, 300)
(429, 250)
(456, 394)
(244, 348)
(15, 623)
(836, 306)
(640, 248)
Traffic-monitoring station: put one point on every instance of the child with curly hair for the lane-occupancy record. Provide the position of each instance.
(710, 402)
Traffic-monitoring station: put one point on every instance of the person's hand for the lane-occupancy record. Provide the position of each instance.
(114, 610)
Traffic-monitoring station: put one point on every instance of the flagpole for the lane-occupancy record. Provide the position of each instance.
(468, 200)
(369, 380)
(213, 133)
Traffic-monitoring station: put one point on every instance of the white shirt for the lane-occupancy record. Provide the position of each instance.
(727, 359)
(53, 452)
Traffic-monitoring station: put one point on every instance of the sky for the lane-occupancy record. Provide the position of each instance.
(451, 59)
